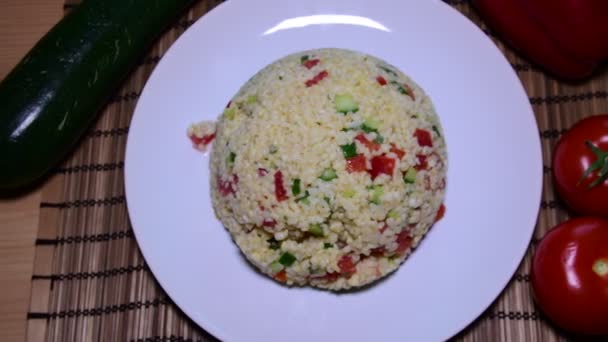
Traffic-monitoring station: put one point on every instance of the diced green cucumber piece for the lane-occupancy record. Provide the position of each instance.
(410, 176)
(276, 266)
(370, 125)
(328, 174)
(252, 99)
(315, 229)
(392, 214)
(377, 192)
(229, 113)
(349, 193)
(345, 103)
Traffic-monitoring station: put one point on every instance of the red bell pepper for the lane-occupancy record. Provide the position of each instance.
(566, 37)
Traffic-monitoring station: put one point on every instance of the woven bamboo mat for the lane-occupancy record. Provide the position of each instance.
(91, 283)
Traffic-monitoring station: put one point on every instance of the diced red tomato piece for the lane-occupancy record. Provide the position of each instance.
(281, 276)
(404, 241)
(262, 172)
(317, 78)
(346, 264)
(424, 137)
(356, 163)
(382, 164)
(440, 213)
(226, 187)
(279, 188)
(269, 222)
(310, 63)
(399, 152)
(329, 277)
(410, 91)
(381, 80)
(378, 251)
(384, 228)
(205, 140)
(427, 183)
(371, 145)
(422, 164)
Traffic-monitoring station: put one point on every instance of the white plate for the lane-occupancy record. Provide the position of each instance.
(494, 177)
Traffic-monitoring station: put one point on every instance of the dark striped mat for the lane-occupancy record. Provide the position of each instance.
(91, 283)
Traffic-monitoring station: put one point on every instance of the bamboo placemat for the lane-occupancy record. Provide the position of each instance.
(91, 283)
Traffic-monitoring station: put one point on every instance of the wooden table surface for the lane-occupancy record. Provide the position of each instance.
(22, 23)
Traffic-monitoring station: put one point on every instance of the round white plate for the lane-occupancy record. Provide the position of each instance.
(494, 177)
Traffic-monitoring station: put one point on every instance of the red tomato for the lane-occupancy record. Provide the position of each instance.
(309, 64)
(227, 187)
(346, 264)
(570, 275)
(382, 164)
(574, 154)
(279, 187)
(318, 77)
(281, 276)
(371, 145)
(440, 213)
(356, 164)
(422, 164)
(424, 137)
(269, 222)
(381, 80)
(404, 241)
(399, 152)
(205, 140)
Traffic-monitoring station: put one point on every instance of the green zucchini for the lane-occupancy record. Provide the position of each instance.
(54, 94)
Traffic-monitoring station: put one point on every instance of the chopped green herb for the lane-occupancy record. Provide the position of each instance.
(328, 174)
(327, 245)
(230, 159)
(400, 88)
(392, 214)
(379, 139)
(280, 78)
(345, 103)
(377, 192)
(229, 113)
(276, 267)
(252, 99)
(410, 176)
(295, 187)
(327, 200)
(273, 149)
(349, 150)
(414, 116)
(388, 70)
(304, 198)
(315, 229)
(287, 259)
(436, 130)
(273, 244)
(304, 58)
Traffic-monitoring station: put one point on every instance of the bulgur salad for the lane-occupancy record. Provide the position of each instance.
(328, 167)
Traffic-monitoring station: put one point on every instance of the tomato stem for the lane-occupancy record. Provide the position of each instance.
(600, 164)
(600, 267)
